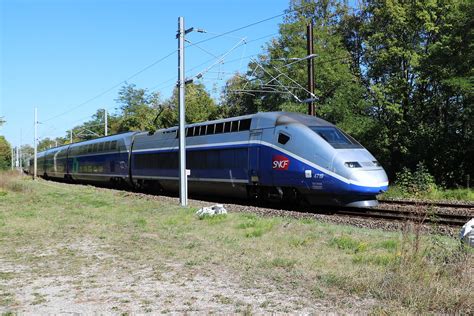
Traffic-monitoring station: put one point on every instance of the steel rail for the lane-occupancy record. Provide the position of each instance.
(427, 203)
(422, 217)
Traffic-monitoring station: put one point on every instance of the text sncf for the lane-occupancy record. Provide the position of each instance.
(280, 162)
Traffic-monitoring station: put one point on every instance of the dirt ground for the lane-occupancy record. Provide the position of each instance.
(163, 287)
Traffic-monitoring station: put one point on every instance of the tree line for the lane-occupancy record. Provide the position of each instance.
(397, 75)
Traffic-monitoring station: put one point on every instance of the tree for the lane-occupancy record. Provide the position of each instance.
(236, 102)
(26, 153)
(417, 57)
(199, 106)
(138, 109)
(46, 143)
(446, 98)
(5, 154)
(93, 128)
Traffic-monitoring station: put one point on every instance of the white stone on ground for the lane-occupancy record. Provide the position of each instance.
(216, 209)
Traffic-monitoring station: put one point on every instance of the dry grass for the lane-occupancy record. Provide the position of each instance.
(12, 181)
(54, 231)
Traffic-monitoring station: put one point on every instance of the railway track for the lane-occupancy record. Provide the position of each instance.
(407, 215)
(392, 211)
(428, 203)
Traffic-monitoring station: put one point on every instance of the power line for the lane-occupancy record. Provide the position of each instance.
(165, 57)
(254, 23)
(113, 87)
(174, 51)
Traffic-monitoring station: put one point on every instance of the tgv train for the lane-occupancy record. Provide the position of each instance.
(275, 155)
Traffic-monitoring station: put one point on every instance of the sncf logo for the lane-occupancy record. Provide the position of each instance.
(280, 162)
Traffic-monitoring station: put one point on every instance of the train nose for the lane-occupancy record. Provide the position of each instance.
(369, 181)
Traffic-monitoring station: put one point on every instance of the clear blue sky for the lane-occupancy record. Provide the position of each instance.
(57, 54)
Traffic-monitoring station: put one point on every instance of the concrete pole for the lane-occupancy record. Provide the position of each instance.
(13, 158)
(310, 50)
(70, 136)
(19, 151)
(35, 144)
(18, 166)
(106, 125)
(183, 183)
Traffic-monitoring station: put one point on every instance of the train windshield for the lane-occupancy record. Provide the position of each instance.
(335, 137)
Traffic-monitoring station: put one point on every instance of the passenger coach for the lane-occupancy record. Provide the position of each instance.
(277, 155)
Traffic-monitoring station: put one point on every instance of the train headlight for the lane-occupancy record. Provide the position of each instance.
(376, 163)
(352, 164)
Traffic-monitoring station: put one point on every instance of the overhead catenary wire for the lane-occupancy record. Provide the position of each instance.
(254, 23)
(113, 87)
(173, 52)
(156, 62)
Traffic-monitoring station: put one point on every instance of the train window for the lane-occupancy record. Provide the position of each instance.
(335, 137)
(235, 126)
(187, 132)
(94, 148)
(210, 129)
(107, 146)
(100, 147)
(245, 125)
(113, 145)
(283, 138)
(89, 148)
(227, 127)
(219, 128)
(203, 130)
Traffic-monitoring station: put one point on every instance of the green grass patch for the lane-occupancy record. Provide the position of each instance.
(377, 259)
(56, 230)
(435, 194)
(348, 243)
(255, 226)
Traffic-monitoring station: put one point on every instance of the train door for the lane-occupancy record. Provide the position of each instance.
(254, 156)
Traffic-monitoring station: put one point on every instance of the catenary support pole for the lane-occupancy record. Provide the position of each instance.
(70, 136)
(35, 144)
(310, 50)
(183, 183)
(13, 158)
(20, 154)
(106, 123)
(17, 164)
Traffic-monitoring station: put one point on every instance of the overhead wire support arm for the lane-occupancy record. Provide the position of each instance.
(219, 60)
(292, 80)
(274, 78)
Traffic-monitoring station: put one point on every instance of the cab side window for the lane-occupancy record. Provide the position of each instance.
(283, 139)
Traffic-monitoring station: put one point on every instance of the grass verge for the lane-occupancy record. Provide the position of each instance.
(54, 230)
(435, 194)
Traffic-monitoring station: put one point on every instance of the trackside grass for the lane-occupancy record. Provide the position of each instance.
(110, 251)
(435, 194)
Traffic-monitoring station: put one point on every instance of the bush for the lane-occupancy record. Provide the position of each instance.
(416, 183)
